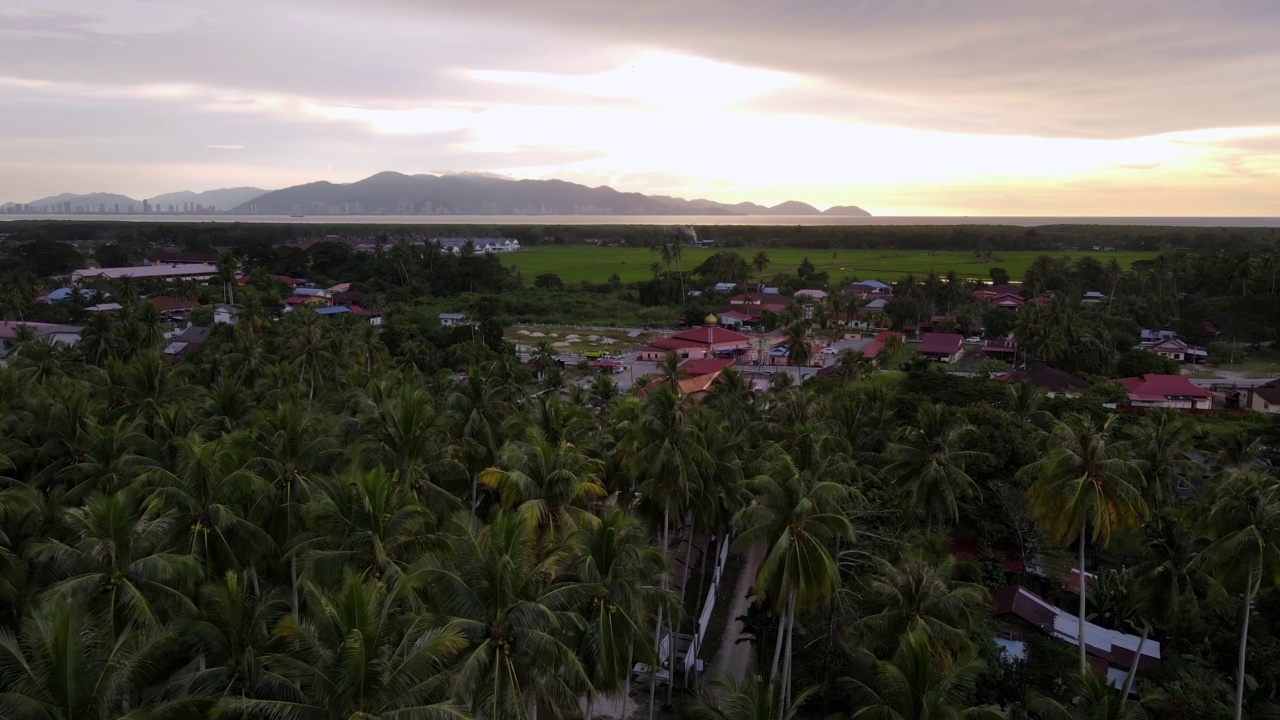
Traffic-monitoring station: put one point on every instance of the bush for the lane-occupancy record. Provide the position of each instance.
(1134, 362)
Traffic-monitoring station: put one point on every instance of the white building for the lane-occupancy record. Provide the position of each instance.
(193, 271)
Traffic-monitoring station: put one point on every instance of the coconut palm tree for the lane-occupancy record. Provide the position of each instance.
(1243, 525)
(852, 364)
(616, 560)
(799, 515)
(1088, 485)
(307, 347)
(498, 588)
(20, 507)
(1164, 583)
(407, 435)
(63, 663)
(918, 683)
(209, 495)
(116, 561)
(234, 631)
(1091, 699)
(747, 699)
(227, 265)
(352, 655)
(478, 409)
(672, 372)
(668, 454)
(551, 482)
(927, 464)
(543, 357)
(604, 393)
(799, 352)
(760, 262)
(923, 594)
(1159, 441)
(363, 523)
(99, 342)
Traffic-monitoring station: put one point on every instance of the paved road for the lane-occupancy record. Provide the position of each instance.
(733, 659)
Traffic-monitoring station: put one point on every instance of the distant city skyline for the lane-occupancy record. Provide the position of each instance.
(1001, 107)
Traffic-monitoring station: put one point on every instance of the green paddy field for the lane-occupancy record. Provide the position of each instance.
(574, 263)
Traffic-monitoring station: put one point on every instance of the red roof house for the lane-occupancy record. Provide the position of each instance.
(705, 366)
(166, 304)
(1170, 391)
(941, 347)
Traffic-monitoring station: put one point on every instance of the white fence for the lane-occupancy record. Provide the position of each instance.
(708, 607)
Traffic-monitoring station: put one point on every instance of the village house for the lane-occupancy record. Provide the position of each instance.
(1006, 350)
(58, 334)
(1055, 383)
(1266, 398)
(1167, 391)
(306, 300)
(452, 319)
(941, 347)
(1021, 613)
(187, 342)
(64, 293)
(736, 320)
(1175, 348)
(171, 306)
(811, 294)
(867, 287)
(225, 314)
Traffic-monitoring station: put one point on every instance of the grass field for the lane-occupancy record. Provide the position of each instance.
(575, 263)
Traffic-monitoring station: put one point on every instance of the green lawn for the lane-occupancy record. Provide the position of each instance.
(575, 263)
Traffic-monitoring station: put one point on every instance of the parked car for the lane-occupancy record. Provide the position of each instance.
(973, 340)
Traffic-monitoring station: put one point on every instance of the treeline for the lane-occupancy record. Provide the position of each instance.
(980, 238)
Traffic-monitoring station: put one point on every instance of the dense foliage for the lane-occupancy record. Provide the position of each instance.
(310, 519)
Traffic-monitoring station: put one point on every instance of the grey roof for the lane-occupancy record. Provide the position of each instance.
(194, 334)
(452, 316)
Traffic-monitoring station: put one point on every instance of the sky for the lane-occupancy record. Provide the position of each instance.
(914, 107)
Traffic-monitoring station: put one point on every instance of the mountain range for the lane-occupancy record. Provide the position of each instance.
(482, 194)
(220, 200)
(391, 193)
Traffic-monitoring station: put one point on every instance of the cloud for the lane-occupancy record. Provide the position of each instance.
(1085, 68)
(831, 101)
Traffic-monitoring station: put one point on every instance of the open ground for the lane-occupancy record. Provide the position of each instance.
(575, 263)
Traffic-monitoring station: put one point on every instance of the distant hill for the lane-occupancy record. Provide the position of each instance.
(89, 200)
(847, 211)
(392, 193)
(476, 194)
(221, 199)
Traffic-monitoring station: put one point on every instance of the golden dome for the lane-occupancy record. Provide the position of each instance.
(711, 320)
